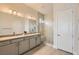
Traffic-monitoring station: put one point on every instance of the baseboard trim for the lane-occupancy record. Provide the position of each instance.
(48, 44)
(55, 47)
(51, 45)
(75, 53)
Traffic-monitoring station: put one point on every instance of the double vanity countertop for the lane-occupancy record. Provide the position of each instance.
(17, 36)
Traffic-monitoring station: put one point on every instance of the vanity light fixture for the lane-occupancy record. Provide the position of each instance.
(14, 12)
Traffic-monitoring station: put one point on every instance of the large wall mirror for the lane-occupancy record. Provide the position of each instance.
(31, 25)
(11, 23)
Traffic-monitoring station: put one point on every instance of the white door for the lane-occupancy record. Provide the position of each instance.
(64, 34)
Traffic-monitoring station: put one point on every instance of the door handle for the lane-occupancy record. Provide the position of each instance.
(58, 35)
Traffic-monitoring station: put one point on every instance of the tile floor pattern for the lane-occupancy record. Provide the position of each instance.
(46, 50)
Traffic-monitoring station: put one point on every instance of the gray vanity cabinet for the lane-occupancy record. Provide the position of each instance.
(24, 46)
(19, 45)
(11, 49)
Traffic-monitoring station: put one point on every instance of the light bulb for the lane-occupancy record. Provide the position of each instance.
(14, 12)
(10, 11)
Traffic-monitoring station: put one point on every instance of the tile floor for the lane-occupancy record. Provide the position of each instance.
(46, 50)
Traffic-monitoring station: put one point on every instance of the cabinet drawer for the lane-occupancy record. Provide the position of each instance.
(16, 40)
(4, 43)
(26, 38)
(35, 36)
(11, 49)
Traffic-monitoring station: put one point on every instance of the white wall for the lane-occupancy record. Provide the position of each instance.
(49, 28)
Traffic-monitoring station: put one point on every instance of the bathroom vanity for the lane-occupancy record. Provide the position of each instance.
(19, 44)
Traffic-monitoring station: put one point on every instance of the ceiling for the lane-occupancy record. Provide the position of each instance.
(45, 8)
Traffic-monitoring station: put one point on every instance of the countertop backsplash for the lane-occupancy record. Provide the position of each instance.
(7, 31)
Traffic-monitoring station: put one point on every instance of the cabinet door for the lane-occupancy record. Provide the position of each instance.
(23, 46)
(11, 49)
(38, 40)
(32, 42)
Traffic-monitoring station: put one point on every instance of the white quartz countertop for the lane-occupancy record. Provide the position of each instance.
(16, 36)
